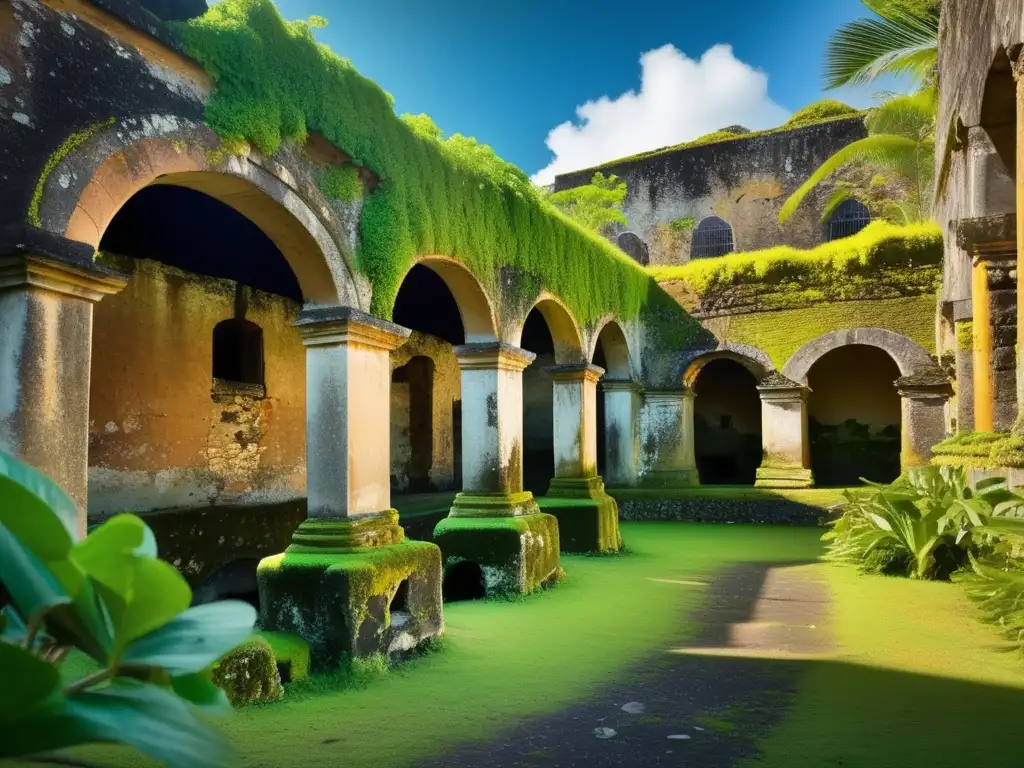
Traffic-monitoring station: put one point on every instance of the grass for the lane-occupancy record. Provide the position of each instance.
(916, 681)
(505, 660)
(814, 497)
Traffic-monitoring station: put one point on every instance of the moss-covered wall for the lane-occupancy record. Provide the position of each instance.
(160, 434)
(780, 334)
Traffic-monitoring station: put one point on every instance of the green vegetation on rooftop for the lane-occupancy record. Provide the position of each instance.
(819, 112)
(451, 196)
(878, 246)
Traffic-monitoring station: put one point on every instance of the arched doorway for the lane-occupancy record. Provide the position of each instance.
(611, 352)
(426, 441)
(197, 391)
(727, 423)
(854, 416)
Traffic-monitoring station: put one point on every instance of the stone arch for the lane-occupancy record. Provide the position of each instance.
(616, 350)
(475, 307)
(753, 359)
(565, 331)
(83, 193)
(910, 357)
(634, 247)
(999, 110)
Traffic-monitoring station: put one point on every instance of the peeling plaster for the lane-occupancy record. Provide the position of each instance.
(21, 117)
(5, 77)
(67, 29)
(28, 34)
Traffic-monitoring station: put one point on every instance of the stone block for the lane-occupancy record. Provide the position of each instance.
(516, 555)
(585, 525)
(670, 478)
(783, 477)
(384, 599)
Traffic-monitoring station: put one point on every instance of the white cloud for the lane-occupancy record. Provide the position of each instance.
(680, 99)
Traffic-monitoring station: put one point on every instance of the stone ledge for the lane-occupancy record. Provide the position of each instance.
(768, 511)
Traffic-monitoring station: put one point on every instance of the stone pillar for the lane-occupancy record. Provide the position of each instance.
(787, 450)
(492, 425)
(923, 396)
(964, 324)
(48, 286)
(588, 518)
(622, 404)
(991, 241)
(666, 437)
(349, 574)
(495, 528)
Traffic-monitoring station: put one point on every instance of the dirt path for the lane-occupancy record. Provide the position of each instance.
(702, 703)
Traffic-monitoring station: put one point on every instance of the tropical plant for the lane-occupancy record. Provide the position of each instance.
(594, 205)
(901, 139)
(109, 597)
(999, 592)
(925, 525)
(901, 38)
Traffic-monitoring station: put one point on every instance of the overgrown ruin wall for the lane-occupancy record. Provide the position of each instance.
(162, 432)
(743, 181)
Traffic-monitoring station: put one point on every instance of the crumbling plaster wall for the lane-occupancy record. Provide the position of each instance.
(743, 181)
(162, 432)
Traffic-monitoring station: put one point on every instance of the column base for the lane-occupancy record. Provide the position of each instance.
(370, 599)
(494, 505)
(588, 518)
(326, 535)
(515, 554)
(670, 478)
(784, 477)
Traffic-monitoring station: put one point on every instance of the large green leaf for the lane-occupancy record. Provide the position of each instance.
(192, 641)
(108, 554)
(157, 593)
(149, 718)
(46, 492)
(32, 586)
(27, 679)
(199, 690)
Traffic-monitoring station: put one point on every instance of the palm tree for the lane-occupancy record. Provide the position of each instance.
(901, 138)
(902, 38)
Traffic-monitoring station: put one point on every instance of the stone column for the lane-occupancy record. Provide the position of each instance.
(991, 241)
(495, 537)
(666, 436)
(575, 426)
(787, 450)
(963, 322)
(348, 446)
(492, 429)
(48, 286)
(923, 395)
(622, 403)
(350, 583)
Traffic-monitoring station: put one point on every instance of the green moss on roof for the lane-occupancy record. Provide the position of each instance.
(878, 246)
(275, 83)
(820, 111)
(726, 135)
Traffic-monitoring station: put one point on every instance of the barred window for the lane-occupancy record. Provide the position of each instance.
(849, 218)
(712, 237)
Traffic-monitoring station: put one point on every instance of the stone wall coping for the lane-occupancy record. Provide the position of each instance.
(331, 326)
(32, 257)
(925, 384)
(989, 236)
(621, 385)
(493, 355)
(574, 372)
(667, 395)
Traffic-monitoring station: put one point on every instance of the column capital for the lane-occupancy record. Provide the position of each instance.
(989, 238)
(925, 385)
(332, 326)
(622, 385)
(81, 281)
(493, 356)
(669, 395)
(778, 388)
(574, 372)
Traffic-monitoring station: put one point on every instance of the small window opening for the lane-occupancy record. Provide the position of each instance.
(238, 346)
(464, 581)
(399, 608)
(712, 237)
(849, 218)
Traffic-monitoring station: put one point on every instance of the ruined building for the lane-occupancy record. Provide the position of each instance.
(254, 316)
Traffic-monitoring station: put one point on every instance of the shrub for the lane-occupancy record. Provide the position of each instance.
(925, 525)
(110, 597)
(819, 112)
(248, 674)
(292, 654)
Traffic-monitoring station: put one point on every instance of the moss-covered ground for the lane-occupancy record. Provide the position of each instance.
(813, 497)
(911, 677)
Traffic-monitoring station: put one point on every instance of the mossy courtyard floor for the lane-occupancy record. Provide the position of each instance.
(864, 671)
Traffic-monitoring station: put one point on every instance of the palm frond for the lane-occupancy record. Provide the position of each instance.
(898, 153)
(864, 49)
(912, 116)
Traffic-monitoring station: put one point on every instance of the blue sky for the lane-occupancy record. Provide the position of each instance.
(508, 73)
